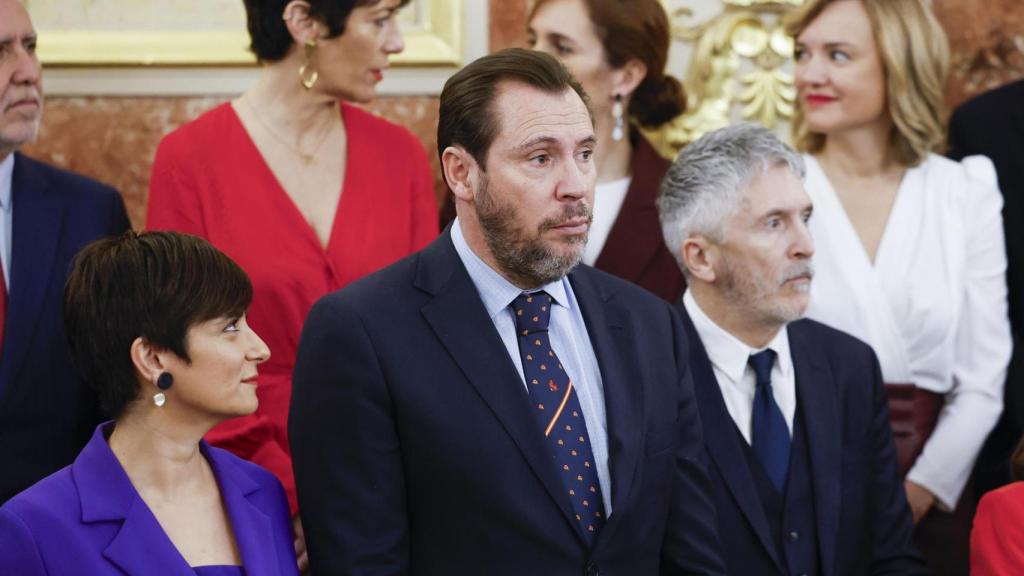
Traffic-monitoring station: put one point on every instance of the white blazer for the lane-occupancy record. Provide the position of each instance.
(933, 305)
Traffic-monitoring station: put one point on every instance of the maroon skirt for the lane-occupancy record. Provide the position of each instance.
(942, 538)
(913, 413)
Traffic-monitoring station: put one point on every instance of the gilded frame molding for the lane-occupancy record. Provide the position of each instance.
(433, 38)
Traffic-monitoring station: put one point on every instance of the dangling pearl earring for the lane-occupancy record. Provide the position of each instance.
(620, 124)
(164, 381)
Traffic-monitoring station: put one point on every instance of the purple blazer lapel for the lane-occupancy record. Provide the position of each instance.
(107, 495)
(254, 530)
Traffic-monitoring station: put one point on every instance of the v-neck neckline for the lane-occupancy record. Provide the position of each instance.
(883, 252)
(293, 208)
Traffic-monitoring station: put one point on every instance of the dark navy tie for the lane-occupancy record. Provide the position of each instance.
(769, 434)
(557, 410)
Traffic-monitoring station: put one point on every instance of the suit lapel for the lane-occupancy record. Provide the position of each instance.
(458, 318)
(613, 342)
(141, 544)
(251, 526)
(37, 218)
(819, 408)
(635, 237)
(106, 495)
(723, 445)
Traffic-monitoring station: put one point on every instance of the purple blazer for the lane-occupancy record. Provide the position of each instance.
(88, 519)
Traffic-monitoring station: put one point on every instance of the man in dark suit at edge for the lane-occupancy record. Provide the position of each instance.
(795, 418)
(46, 215)
(486, 406)
(993, 125)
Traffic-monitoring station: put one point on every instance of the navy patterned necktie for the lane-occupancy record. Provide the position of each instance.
(557, 410)
(769, 433)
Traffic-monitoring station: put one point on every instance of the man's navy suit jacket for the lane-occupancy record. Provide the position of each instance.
(993, 124)
(47, 413)
(416, 450)
(863, 520)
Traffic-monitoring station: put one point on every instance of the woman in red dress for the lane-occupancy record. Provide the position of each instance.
(997, 539)
(305, 191)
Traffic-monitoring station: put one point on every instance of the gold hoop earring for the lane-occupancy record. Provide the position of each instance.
(307, 75)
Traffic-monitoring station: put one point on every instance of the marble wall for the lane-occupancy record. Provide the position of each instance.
(114, 138)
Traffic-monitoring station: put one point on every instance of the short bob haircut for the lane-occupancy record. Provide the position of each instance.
(638, 29)
(153, 285)
(707, 182)
(467, 118)
(915, 55)
(269, 34)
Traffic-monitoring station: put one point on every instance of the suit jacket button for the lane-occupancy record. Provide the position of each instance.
(592, 570)
(794, 536)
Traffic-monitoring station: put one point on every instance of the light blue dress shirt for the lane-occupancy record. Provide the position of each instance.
(6, 213)
(569, 338)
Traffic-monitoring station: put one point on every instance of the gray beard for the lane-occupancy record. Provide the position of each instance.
(526, 259)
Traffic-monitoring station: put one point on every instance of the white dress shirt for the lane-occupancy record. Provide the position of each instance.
(608, 199)
(932, 304)
(736, 379)
(569, 339)
(6, 216)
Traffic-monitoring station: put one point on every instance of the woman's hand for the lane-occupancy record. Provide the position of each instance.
(300, 545)
(920, 499)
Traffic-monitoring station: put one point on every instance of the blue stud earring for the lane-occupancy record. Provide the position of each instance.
(164, 380)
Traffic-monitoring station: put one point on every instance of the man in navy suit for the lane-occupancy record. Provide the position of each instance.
(795, 419)
(46, 215)
(993, 124)
(486, 406)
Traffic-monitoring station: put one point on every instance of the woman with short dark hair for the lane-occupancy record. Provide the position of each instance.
(156, 324)
(305, 191)
(617, 49)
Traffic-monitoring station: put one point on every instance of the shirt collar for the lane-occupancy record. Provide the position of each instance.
(495, 291)
(728, 353)
(6, 182)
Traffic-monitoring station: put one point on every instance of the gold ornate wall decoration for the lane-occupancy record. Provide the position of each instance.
(746, 31)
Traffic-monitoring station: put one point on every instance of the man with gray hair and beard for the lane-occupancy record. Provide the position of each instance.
(795, 419)
(487, 406)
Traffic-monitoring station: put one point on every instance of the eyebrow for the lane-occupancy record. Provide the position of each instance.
(381, 6)
(4, 40)
(551, 140)
(830, 45)
(554, 36)
(784, 211)
(560, 37)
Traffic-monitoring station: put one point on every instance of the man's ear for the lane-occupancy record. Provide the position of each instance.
(700, 256)
(301, 25)
(461, 172)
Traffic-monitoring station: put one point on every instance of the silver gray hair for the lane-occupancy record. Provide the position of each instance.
(707, 181)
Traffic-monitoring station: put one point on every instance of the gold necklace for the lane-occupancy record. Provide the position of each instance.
(307, 157)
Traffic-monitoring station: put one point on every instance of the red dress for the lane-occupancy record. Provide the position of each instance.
(997, 540)
(210, 180)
